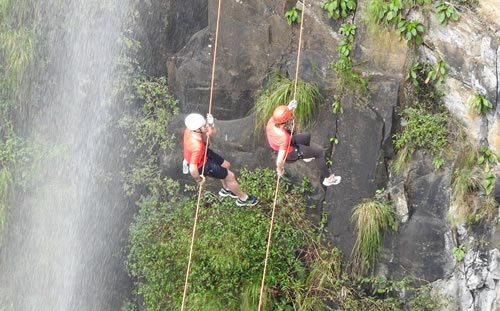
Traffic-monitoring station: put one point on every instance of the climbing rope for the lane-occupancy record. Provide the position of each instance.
(204, 157)
(286, 154)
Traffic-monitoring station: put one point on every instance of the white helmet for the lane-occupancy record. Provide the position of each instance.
(194, 121)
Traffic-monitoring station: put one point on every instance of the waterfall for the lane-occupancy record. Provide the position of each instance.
(63, 249)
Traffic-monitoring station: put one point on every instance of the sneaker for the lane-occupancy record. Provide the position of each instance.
(308, 159)
(223, 192)
(250, 201)
(332, 180)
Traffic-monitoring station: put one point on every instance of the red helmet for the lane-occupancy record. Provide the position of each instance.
(281, 114)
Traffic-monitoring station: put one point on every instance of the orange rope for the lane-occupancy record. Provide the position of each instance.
(203, 169)
(286, 154)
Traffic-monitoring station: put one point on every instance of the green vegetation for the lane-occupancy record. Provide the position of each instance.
(438, 73)
(459, 252)
(466, 181)
(411, 31)
(445, 12)
(148, 129)
(18, 22)
(279, 91)
(479, 104)
(423, 130)
(339, 8)
(303, 273)
(348, 81)
(390, 15)
(372, 218)
(426, 122)
(293, 16)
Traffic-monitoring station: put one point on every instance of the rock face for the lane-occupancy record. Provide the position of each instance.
(254, 36)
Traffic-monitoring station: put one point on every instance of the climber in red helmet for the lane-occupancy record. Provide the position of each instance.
(215, 165)
(279, 138)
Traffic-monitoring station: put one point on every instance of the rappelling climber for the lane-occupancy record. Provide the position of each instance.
(215, 165)
(278, 138)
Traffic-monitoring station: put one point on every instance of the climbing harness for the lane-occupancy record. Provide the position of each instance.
(203, 169)
(286, 154)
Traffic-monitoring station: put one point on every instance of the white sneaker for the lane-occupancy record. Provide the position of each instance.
(308, 159)
(332, 180)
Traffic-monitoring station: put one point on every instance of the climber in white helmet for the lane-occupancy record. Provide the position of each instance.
(215, 165)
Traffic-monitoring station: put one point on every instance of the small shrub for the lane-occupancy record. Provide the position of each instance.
(439, 72)
(479, 104)
(413, 74)
(293, 16)
(339, 8)
(279, 91)
(388, 13)
(459, 252)
(489, 182)
(445, 12)
(487, 157)
(372, 219)
(411, 31)
(423, 130)
(438, 162)
(348, 31)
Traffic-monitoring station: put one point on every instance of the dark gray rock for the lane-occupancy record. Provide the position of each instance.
(164, 27)
(418, 246)
(360, 133)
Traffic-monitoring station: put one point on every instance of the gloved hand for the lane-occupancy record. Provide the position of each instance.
(292, 104)
(210, 119)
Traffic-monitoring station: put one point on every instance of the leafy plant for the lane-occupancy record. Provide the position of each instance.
(459, 252)
(293, 16)
(413, 74)
(445, 12)
(486, 156)
(411, 31)
(334, 140)
(388, 13)
(437, 162)
(344, 48)
(479, 103)
(489, 182)
(348, 31)
(372, 219)
(336, 105)
(423, 130)
(339, 8)
(279, 91)
(438, 73)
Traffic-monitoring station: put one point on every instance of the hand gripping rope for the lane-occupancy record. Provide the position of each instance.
(286, 154)
(203, 169)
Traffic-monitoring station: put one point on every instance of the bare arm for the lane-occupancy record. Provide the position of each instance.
(280, 161)
(193, 169)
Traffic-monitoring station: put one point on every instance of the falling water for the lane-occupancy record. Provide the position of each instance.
(64, 245)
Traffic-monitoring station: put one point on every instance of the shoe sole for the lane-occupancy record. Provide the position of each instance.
(246, 204)
(332, 183)
(228, 195)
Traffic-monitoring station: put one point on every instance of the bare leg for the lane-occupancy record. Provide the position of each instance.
(225, 165)
(233, 185)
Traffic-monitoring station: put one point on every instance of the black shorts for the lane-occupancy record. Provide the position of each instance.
(213, 166)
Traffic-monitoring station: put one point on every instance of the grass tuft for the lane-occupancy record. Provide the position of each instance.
(279, 91)
(372, 219)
